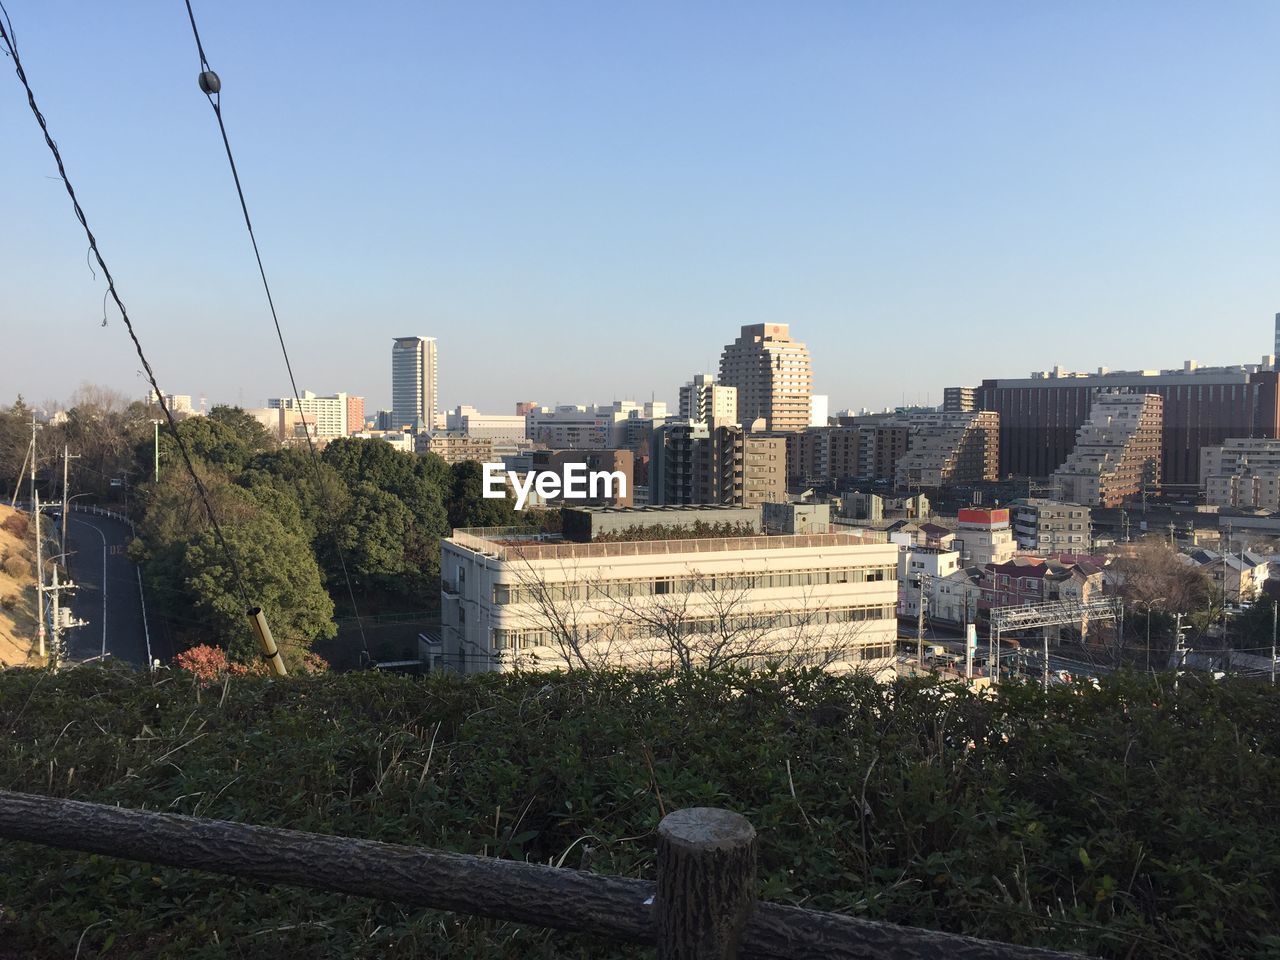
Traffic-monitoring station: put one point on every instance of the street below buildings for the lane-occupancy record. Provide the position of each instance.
(108, 597)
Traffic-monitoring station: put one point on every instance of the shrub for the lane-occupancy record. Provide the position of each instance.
(208, 663)
(17, 525)
(8, 603)
(16, 567)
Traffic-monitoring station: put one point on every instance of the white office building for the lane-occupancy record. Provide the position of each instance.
(515, 600)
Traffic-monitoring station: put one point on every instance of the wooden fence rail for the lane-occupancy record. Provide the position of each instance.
(703, 906)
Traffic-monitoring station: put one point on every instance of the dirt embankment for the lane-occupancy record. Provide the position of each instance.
(17, 588)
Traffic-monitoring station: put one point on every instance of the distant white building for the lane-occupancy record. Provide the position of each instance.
(819, 404)
(1242, 473)
(704, 400)
(485, 426)
(578, 427)
(324, 416)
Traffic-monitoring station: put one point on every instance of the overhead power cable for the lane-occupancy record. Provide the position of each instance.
(6, 39)
(211, 85)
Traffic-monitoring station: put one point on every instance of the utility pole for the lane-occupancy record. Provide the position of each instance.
(1273, 642)
(1044, 683)
(1177, 634)
(60, 622)
(40, 648)
(22, 472)
(66, 458)
(55, 647)
(920, 624)
(156, 425)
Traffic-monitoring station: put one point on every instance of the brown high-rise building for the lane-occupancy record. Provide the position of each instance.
(772, 375)
(355, 414)
(1117, 451)
(1040, 416)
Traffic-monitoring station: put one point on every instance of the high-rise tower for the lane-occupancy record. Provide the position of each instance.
(413, 383)
(772, 375)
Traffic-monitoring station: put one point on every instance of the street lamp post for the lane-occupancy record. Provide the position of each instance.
(1149, 604)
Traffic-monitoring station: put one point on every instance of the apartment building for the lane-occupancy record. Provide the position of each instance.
(959, 399)
(512, 599)
(919, 571)
(1050, 527)
(325, 416)
(868, 450)
(948, 448)
(772, 375)
(1040, 415)
(696, 462)
(764, 469)
(703, 399)
(1243, 473)
(1117, 451)
(454, 447)
(984, 536)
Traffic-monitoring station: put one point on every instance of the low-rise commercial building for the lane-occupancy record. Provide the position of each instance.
(492, 426)
(515, 600)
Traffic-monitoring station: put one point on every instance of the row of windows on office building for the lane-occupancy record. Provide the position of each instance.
(504, 593)
(727, 627)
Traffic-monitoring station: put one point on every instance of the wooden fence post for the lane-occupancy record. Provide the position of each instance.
(706, 883)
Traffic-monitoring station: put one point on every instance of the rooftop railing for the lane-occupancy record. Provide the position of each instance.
(510, 544)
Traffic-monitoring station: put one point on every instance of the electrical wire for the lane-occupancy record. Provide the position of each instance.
(215, 101)
(6, 29)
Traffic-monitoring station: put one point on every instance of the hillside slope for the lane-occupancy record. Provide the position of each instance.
(17, 589)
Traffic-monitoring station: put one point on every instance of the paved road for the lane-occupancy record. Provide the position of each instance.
(108, 595)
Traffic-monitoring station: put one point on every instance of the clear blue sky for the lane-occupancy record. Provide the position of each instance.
(585, 200)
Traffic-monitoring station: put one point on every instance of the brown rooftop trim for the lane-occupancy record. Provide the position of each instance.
(501, 544)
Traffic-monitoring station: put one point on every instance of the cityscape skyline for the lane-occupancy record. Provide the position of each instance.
(1008, 173)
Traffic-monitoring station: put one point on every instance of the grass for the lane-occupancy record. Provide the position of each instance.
(1135, 821)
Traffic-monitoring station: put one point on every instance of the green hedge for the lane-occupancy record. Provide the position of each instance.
(1135, 821)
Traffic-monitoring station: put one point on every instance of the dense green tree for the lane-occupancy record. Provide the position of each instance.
(1252, 629)
(373, 534)
(15, 440)
(248, 428)
(468, 507)
(280, 575)
(321, 495)
(395, 472)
